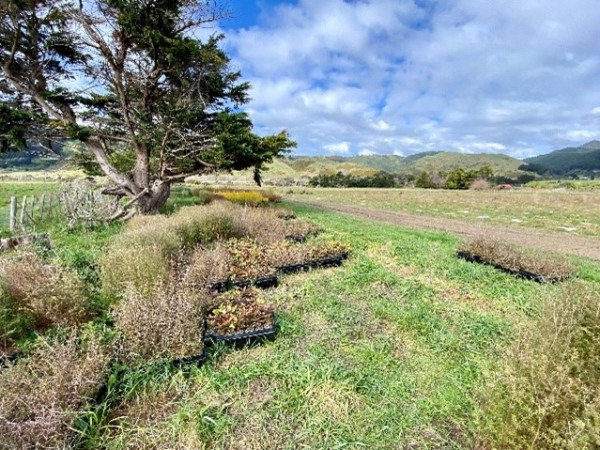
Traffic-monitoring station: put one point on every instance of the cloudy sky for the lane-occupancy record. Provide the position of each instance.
(520, 77)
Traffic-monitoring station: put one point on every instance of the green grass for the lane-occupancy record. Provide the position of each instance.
(391, 350)
(386, 351)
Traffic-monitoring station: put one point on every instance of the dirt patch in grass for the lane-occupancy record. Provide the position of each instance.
(574, 245)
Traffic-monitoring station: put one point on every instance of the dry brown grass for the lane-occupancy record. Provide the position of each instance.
(166, 325)
(201, 225)
(140, 257)
(41, 395)
(545, 392)
(493, 251)
(41, 295)
(143, 255)
(206, 266)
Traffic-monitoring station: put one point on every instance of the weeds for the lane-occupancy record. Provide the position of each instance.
(35, 297)
(167, 324)
(545, 394)
(41, 396)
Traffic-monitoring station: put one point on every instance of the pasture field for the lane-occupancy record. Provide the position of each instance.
(572, 212)
(403, 346)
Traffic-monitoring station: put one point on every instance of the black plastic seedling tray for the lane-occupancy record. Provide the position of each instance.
(262, 283)
(331, 261)
(518, 273)
(244, 339)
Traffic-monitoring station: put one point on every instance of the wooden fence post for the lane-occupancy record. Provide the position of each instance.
(42, 206)
(13, 213)
(23, 205)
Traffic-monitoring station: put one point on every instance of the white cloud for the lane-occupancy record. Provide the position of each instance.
(380, 125)
(516, 77)
(398, 153)
(339, 148)
(582, 135)
(366, 152)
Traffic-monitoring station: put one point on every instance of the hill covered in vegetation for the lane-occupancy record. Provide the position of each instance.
(583, 158)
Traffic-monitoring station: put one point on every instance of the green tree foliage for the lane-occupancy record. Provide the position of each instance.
(378, 180)
(458, 179)
(158, 104)
(424, 181)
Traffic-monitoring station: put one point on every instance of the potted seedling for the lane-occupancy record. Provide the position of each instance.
(249, 264)
(327, 254)
(240, 317)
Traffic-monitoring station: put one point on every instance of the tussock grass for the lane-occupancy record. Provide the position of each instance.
(42, 395)
(514, 259)
(144, 253)
(165, 325)
(545, 392)
(35, 296)
(216, 222)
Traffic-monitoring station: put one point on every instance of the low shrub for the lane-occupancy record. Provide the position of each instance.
(493, 251)
(40, 396)
(166, 325)
(480, 184)
(239, 311)
(35, 297)
(247, 198)
(545, 393)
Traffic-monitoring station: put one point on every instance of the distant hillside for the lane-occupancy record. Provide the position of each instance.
(428, 161)
(585, 157)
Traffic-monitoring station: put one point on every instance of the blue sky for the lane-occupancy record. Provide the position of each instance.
(520, 77)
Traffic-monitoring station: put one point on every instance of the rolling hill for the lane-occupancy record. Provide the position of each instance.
(585, 157)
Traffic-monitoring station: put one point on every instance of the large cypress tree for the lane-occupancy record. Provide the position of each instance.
(150, 101)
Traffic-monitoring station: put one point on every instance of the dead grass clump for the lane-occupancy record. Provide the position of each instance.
(237, 259)
(267, 225)
(545, 392)
(140, 257)
(165, 325)
(517, 260)
(40, 396)
(207, 265)
(284, 252)
(35, 296)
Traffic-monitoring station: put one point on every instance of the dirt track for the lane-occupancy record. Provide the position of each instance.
(563, 243)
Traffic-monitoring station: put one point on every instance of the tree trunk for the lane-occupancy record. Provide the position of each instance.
(151, 202)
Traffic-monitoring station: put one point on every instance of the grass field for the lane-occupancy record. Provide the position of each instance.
(392, 350)
(555, 211)
(404, 346)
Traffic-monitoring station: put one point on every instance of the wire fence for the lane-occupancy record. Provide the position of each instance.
(24, 213)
